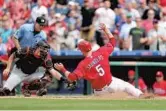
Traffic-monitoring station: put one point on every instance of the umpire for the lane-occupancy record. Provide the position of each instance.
(29, 34)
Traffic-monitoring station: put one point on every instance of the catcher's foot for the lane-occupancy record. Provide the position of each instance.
(13, 92)
(26, 93)
(4, 92)
(41, 92)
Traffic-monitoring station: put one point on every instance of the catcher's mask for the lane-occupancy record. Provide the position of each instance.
(43, 47)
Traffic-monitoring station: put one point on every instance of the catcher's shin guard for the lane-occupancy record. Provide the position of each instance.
(25, 90)
(45, 81)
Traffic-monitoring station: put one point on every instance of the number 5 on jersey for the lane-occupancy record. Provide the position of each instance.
(100, 70)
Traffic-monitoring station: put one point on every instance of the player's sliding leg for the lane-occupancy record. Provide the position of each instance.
(120, 85)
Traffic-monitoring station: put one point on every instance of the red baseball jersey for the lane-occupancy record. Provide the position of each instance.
(160, 88)
(141, 84)
(95, 68)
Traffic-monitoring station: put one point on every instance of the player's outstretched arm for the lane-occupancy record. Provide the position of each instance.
(70, 76)
(106, 31)
(55, 73)
(60, 67)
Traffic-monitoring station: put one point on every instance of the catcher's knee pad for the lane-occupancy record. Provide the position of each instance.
(34, 85)
(46, 79)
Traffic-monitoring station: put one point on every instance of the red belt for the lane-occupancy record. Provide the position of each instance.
(103, 87)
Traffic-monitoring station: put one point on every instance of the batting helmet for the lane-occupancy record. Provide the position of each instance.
(84, 46)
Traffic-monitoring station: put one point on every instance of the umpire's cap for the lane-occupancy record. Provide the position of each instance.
(41, 21)
(84, 46)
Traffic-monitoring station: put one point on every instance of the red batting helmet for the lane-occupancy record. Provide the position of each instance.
(84, 46)
(159, 74)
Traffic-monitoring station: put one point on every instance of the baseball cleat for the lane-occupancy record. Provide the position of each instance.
(41, 92)
(26, 93)
(146, 96)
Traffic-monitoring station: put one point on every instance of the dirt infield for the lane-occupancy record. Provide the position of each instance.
(113, 96)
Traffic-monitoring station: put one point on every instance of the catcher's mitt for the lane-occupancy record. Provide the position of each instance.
(71, 85)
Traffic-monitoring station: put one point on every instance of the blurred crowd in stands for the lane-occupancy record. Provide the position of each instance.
(136, 24)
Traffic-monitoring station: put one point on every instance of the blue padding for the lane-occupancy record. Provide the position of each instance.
(115, 53)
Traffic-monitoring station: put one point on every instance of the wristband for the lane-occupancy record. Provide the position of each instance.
(63, 70)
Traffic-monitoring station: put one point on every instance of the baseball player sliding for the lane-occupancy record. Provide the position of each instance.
(96, 69)
(26, 66)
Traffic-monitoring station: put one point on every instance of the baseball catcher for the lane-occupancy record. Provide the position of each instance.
(28, 60)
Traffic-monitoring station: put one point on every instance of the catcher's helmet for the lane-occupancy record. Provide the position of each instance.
(44, 48)
(84, 46)
(43, 44)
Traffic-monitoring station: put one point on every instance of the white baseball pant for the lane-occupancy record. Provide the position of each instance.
(119, 85)
(17, 76)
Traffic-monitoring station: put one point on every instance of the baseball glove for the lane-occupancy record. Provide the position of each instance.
(71, 86)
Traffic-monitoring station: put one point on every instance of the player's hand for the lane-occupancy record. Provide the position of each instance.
(59, 66)
(6, 73)
(103, 27)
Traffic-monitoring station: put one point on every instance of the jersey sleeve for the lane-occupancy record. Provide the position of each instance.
(44, 36)
(144, 33)
(109, 47)
(19, 33)
(142, 84)
(131, 31)
(154, 85)
(4, 57)
(165, 85)
(48, 63)
(77, 73)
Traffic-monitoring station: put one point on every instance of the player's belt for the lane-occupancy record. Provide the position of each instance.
(103, 87)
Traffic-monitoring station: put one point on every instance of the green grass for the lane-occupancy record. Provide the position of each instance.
(79, 104)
